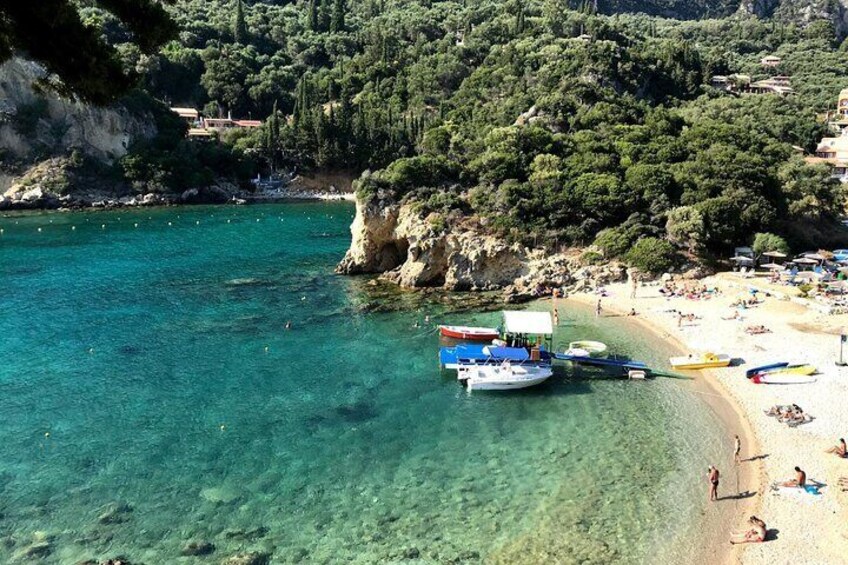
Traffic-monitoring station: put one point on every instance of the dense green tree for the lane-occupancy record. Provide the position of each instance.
(52, 32)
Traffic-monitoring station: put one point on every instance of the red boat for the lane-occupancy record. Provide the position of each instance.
(469, 333)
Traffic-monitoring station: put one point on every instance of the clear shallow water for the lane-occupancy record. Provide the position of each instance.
(141, 351)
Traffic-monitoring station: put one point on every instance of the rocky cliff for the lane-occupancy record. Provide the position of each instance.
(800, 12)
(418, 249)
(47, 142)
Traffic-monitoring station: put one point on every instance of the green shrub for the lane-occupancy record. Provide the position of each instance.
(615, 241)
(764, 242)
(652, 255)
(591, 258)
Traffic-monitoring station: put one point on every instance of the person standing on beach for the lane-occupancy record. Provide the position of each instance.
(633, 284)
(598, 308)
(713, 477)
(556, 316)
(737, 449)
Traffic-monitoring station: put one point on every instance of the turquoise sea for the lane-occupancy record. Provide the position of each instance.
(151, 396)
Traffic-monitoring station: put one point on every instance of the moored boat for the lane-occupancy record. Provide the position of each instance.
(703, 361)
(471, 333)
(584, 348)
(503, 376)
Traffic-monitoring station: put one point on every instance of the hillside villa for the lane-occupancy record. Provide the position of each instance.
(198, 126)
(834, 150)
(744, 84)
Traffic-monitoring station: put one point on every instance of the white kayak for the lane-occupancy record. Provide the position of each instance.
(504, 376)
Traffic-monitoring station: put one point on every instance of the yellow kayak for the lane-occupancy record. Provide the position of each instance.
(793, 370)
(705, 361)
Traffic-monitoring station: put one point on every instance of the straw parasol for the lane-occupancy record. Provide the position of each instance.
(772, 266)
(805, 261)
(774, 254)
(815, 256)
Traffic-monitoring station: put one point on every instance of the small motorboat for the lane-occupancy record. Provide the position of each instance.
(586, 348)
(703, 361)
(503, 376)
(470, 333)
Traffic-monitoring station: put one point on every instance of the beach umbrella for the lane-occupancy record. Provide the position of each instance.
(772, 266)
(815, 256)
(805, 261)
(775, 254)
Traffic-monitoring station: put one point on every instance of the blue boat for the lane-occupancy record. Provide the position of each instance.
(765, 368)
(472, 353)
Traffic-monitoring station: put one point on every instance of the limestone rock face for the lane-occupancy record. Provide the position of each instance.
(410, 250)
(374, 246)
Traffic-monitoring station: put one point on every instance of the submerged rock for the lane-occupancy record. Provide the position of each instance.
(219, 495)
(252, 558)
(197, 548)
(246, 535)
(115, 513)
(35, 550)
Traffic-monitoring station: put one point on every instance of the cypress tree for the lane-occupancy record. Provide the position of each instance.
(337, 22)
(240, 25)
(313, 16)
(324, 15)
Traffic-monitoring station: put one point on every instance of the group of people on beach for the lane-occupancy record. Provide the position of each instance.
(688, 290)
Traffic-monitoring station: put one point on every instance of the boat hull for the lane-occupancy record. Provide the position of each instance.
(702, 362)
(496, 377)
(469, 333)
(782, 379)
(592, 348)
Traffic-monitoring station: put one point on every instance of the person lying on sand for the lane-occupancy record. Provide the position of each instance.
(756, 534)
(779, 410)
(736, 316)
(799, 481)
(756, 330)
(840, 449)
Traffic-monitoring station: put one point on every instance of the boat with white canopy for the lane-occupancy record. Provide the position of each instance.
(503, 376)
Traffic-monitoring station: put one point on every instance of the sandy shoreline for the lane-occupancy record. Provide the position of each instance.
(807, 529)
(715, 549)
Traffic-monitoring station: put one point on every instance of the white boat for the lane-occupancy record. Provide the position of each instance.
(503, 376)
(586, 348)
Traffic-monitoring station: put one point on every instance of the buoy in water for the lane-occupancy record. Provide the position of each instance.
(39, 229)
(135, 225)
(169, 223)
(223, 427)
(73, 228)
(46, 434)
(197, 222)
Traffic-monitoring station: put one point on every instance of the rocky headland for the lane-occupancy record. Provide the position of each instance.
(416, 249)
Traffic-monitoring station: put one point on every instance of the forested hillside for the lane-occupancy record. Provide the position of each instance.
(555, 122)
